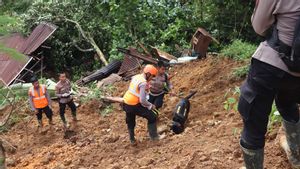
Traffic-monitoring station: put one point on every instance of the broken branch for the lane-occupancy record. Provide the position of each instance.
(89, 39)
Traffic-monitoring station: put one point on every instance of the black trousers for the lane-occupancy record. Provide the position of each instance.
(46, 110)
(138, 110)
(62, 108)
(266, 83)
(157, 100)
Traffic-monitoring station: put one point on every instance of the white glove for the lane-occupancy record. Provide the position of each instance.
(65, 95)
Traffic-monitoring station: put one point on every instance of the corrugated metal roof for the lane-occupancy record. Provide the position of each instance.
(38, 36)
(129, 64)
(10, 68)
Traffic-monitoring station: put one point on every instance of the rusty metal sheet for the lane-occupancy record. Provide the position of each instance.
(134, 53)
(129, 64)
(10, 68)
(163, 54)
(38, 36)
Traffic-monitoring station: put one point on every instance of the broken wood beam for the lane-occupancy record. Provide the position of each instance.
(113, 99)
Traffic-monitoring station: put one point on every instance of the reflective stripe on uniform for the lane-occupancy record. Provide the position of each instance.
(134, 84)
(39, 96)
(132, 95)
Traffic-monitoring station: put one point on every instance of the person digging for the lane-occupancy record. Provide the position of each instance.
(136, 103)
(40, 101)
(63, 92)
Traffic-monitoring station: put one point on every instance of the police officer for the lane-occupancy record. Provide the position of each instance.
(270, 79)
(159, 86)
(63, 92)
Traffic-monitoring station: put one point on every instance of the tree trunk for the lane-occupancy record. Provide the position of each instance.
(98, 51)
(90, 40)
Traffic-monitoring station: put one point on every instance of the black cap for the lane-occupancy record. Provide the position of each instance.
(33, 79)
(161, 63)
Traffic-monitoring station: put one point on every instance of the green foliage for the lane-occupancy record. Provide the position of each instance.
(239, 50)
(274, 118)
(9, 24)
(108, 109)
(117, 23)
(93, 93)
(13, 53)
(231, 99)
(240, 72)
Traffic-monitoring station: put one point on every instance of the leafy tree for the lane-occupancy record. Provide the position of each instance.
(115, 23)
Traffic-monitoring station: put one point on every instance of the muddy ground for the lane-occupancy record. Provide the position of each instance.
(210, 140)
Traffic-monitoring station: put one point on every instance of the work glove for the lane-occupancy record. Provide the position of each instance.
(65, 95)
(166, 88)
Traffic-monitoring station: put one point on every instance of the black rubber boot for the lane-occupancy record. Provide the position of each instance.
(291, 142)
(152, 129)
(131, 136)
(50, 121)
(74, 117)
(253, 159)
(40, 123)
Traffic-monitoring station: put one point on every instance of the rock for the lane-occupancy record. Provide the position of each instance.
(240, 160)
(26, 163)
(47, 158)
(109, 80)
(237, 154)
(59, 145)
(210, 122)
(111, 138)
(145, 167)
(45, 161)
(162, 129)
(10, 162)
(203, 158)
(60, 166)
(217, 114)
(67, 162)
(145, 161)
(115, 166)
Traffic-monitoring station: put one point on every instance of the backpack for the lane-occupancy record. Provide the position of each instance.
(290, 55)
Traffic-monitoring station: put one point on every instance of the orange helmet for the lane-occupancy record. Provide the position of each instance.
(150, 69)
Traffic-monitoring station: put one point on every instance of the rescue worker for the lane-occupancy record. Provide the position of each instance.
(136, 104)
(63, 92)
(40, 101)
(270, 79)
(159, 86)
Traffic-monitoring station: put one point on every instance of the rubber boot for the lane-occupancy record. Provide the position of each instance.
(131, 136)
(66, 125)
(74, 117)
(40, 123)
(253, 159)
(152, 129)
(51, 122)
(291, 142)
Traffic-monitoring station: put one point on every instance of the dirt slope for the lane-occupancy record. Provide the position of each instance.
(209, 142)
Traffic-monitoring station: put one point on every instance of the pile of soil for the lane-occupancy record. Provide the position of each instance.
(210, 140)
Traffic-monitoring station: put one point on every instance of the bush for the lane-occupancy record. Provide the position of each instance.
(240, 72)
(239, 50)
